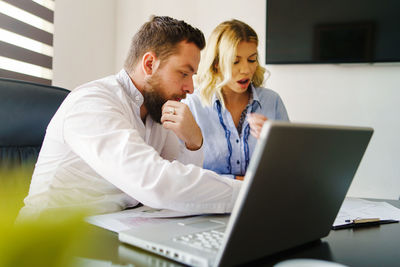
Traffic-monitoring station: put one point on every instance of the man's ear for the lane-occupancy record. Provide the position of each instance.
(148, 63)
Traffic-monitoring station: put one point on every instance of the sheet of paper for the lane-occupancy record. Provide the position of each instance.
(133, 218)
(355, 208)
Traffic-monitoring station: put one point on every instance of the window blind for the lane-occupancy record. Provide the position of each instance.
(26, 40)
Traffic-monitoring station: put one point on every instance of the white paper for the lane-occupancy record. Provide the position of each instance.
(355, 208)
(134, 218)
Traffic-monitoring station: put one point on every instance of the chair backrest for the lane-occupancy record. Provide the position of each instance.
(25, 111)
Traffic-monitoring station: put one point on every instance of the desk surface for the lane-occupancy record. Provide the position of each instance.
(367, 246)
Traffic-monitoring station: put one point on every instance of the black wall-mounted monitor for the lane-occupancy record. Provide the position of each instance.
(332, 31)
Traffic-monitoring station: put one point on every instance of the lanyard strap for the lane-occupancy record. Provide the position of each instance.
(227, 136)
(228, 140)
(246, 146)
(246, 140)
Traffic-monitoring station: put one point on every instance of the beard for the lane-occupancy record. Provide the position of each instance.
(153, 98)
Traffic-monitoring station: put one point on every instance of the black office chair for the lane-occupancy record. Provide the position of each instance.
(25, 111)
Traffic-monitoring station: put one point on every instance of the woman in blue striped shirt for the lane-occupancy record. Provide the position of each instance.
(229, 104)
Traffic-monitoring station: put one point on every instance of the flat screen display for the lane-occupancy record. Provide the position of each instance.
(332, 31)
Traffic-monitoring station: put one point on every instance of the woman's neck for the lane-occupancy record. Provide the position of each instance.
(233, 99)
(235, 103)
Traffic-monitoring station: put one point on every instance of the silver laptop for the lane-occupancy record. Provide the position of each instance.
(296, 182)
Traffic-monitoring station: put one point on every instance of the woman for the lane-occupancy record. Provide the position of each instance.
(229, 105)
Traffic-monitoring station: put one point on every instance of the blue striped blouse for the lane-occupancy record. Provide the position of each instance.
(225, 150)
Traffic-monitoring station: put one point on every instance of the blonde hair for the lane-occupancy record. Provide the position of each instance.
(215, 68)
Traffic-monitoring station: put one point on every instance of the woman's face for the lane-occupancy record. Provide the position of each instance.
(244, 67)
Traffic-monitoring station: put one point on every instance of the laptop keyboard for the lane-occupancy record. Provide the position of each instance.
(207, 240)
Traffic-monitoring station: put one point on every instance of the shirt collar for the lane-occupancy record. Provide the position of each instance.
(254, 101)
(126, 82)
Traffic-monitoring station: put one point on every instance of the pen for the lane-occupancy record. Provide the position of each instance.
(363, 222)
(366, 220)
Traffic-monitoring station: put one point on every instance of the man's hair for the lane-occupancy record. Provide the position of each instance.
(161, 35)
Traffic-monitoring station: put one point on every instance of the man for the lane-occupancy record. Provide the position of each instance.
(126, 139)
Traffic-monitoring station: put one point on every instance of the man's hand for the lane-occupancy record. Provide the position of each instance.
(256, 122)
(177, 117)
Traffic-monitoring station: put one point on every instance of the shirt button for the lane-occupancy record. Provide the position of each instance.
(237, 140)
(238, 162)
(137, 98)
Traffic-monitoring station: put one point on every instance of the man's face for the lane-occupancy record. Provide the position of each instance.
(172, 80)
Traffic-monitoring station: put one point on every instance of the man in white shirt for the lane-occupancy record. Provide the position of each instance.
(126, 139)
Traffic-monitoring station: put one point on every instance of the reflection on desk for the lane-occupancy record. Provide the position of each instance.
(315, 250)
(129, 254)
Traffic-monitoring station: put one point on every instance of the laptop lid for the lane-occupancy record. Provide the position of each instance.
(297, 179)
(296, 182)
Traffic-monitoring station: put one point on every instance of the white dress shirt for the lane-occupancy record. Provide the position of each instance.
(98, 154)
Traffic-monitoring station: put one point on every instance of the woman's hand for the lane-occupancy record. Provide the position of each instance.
(256, 122)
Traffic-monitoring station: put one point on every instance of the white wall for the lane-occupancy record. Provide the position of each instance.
(355, 94)
(350, 94)
(84, 41)
(205, 15)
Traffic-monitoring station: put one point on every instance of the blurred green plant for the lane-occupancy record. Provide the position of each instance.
(53, 239)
